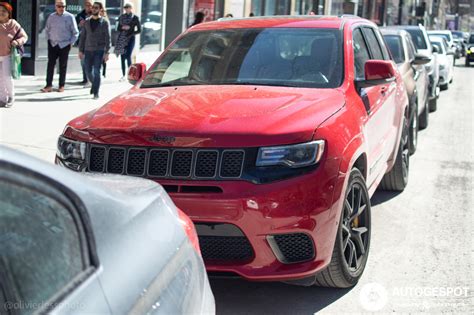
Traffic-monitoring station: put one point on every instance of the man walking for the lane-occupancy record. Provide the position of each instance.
(61, 33)
(94, 46)
(80, 20)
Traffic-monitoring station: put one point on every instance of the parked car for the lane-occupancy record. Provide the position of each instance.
(411, 67)
(151, 27)
(460, 41)
(445, 61)
(96, 244)
(423, 46)
(470, 50)
(446, 34)
(271, 134)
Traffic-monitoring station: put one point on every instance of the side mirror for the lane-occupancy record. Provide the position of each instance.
(435, 50)
(377, 72)
(421, 59)
(136, 72)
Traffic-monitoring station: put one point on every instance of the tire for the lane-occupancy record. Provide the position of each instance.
(433, 105)
(413, 131)
(444, 87)
(397, 178)
(423, 120)
(339, 273)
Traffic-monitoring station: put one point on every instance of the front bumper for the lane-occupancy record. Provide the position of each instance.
(307, 205)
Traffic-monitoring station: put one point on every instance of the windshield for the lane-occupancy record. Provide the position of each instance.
(394, 43)
(295, 57)
(445, 36)
(439, 46)
(418, 38)
(457, 35)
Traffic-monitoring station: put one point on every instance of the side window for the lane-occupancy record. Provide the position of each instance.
(373, 43)
(361, 53)
(411, 48)
(40, 245)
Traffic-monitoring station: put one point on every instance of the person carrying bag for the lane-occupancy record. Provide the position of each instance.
(11, 36)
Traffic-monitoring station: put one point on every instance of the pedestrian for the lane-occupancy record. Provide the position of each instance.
(128, 26)
(103, 13)
(198, 18)
(11, 35)
(61, 34)
(94, 46)
(80, 20)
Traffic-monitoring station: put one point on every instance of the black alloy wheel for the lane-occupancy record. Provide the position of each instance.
(397, 178)
(355, 228)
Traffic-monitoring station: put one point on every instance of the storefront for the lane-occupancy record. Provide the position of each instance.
(32, 15)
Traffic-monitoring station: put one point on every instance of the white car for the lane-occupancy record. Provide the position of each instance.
(444, 34)
(445, 61)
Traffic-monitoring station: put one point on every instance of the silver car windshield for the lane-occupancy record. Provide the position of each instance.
(296, 57)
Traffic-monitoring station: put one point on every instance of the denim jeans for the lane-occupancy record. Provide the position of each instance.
(93, 61)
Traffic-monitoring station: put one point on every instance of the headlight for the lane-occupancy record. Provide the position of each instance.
(70, 149)
(298, 155)
(72, 154)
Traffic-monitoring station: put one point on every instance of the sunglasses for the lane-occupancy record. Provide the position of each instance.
(60, 6)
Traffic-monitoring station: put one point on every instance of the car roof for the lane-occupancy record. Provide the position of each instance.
(437, 39)
(439, 32)
(393, 31)
(298, 21)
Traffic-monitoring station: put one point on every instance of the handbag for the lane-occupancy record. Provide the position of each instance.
(16, 54)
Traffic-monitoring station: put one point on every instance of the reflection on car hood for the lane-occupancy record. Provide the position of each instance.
(225, 115)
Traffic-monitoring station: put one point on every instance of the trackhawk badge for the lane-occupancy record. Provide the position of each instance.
(163, 139)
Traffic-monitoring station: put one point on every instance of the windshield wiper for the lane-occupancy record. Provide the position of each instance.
(177, 82)
(259, 83)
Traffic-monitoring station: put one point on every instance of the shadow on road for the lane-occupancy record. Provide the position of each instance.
(382, 196)
(270, 297)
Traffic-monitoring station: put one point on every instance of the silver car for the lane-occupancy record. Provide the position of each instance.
(71, 243)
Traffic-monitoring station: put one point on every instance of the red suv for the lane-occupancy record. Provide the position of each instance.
(270, 133)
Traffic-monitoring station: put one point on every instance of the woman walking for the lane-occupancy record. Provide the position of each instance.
(103, 14)
(11, 35)
(128, 26)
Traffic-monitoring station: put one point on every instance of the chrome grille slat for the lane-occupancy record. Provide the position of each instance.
(176, 163)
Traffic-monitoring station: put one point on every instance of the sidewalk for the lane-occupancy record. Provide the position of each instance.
(36, 119)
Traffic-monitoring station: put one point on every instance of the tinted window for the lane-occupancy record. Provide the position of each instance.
(361, 54)
(40, 249)
(445, 36)
(471, 39)
(418, 38)
(373, 44)
(275, 56)
(383, 46)
(394, 43)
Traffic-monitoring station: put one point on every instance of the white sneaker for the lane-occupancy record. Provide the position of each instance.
(87, 85)
(122, 79)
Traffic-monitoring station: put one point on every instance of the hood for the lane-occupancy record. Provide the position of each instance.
(209, 116)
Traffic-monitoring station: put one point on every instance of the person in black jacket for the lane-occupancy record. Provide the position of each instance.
(80, 20)
(94, 46)
(128, 26)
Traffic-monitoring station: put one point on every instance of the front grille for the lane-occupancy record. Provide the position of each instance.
(292, 248)
(166, 163)
(227, 248)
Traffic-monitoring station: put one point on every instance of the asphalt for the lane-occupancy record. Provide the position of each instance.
(421, 256)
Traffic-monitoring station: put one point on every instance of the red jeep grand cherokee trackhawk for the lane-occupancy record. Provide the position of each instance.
(270, 133)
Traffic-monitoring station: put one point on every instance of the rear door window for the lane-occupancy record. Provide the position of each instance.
(418, 38)
(373, 43)
(41, 245)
